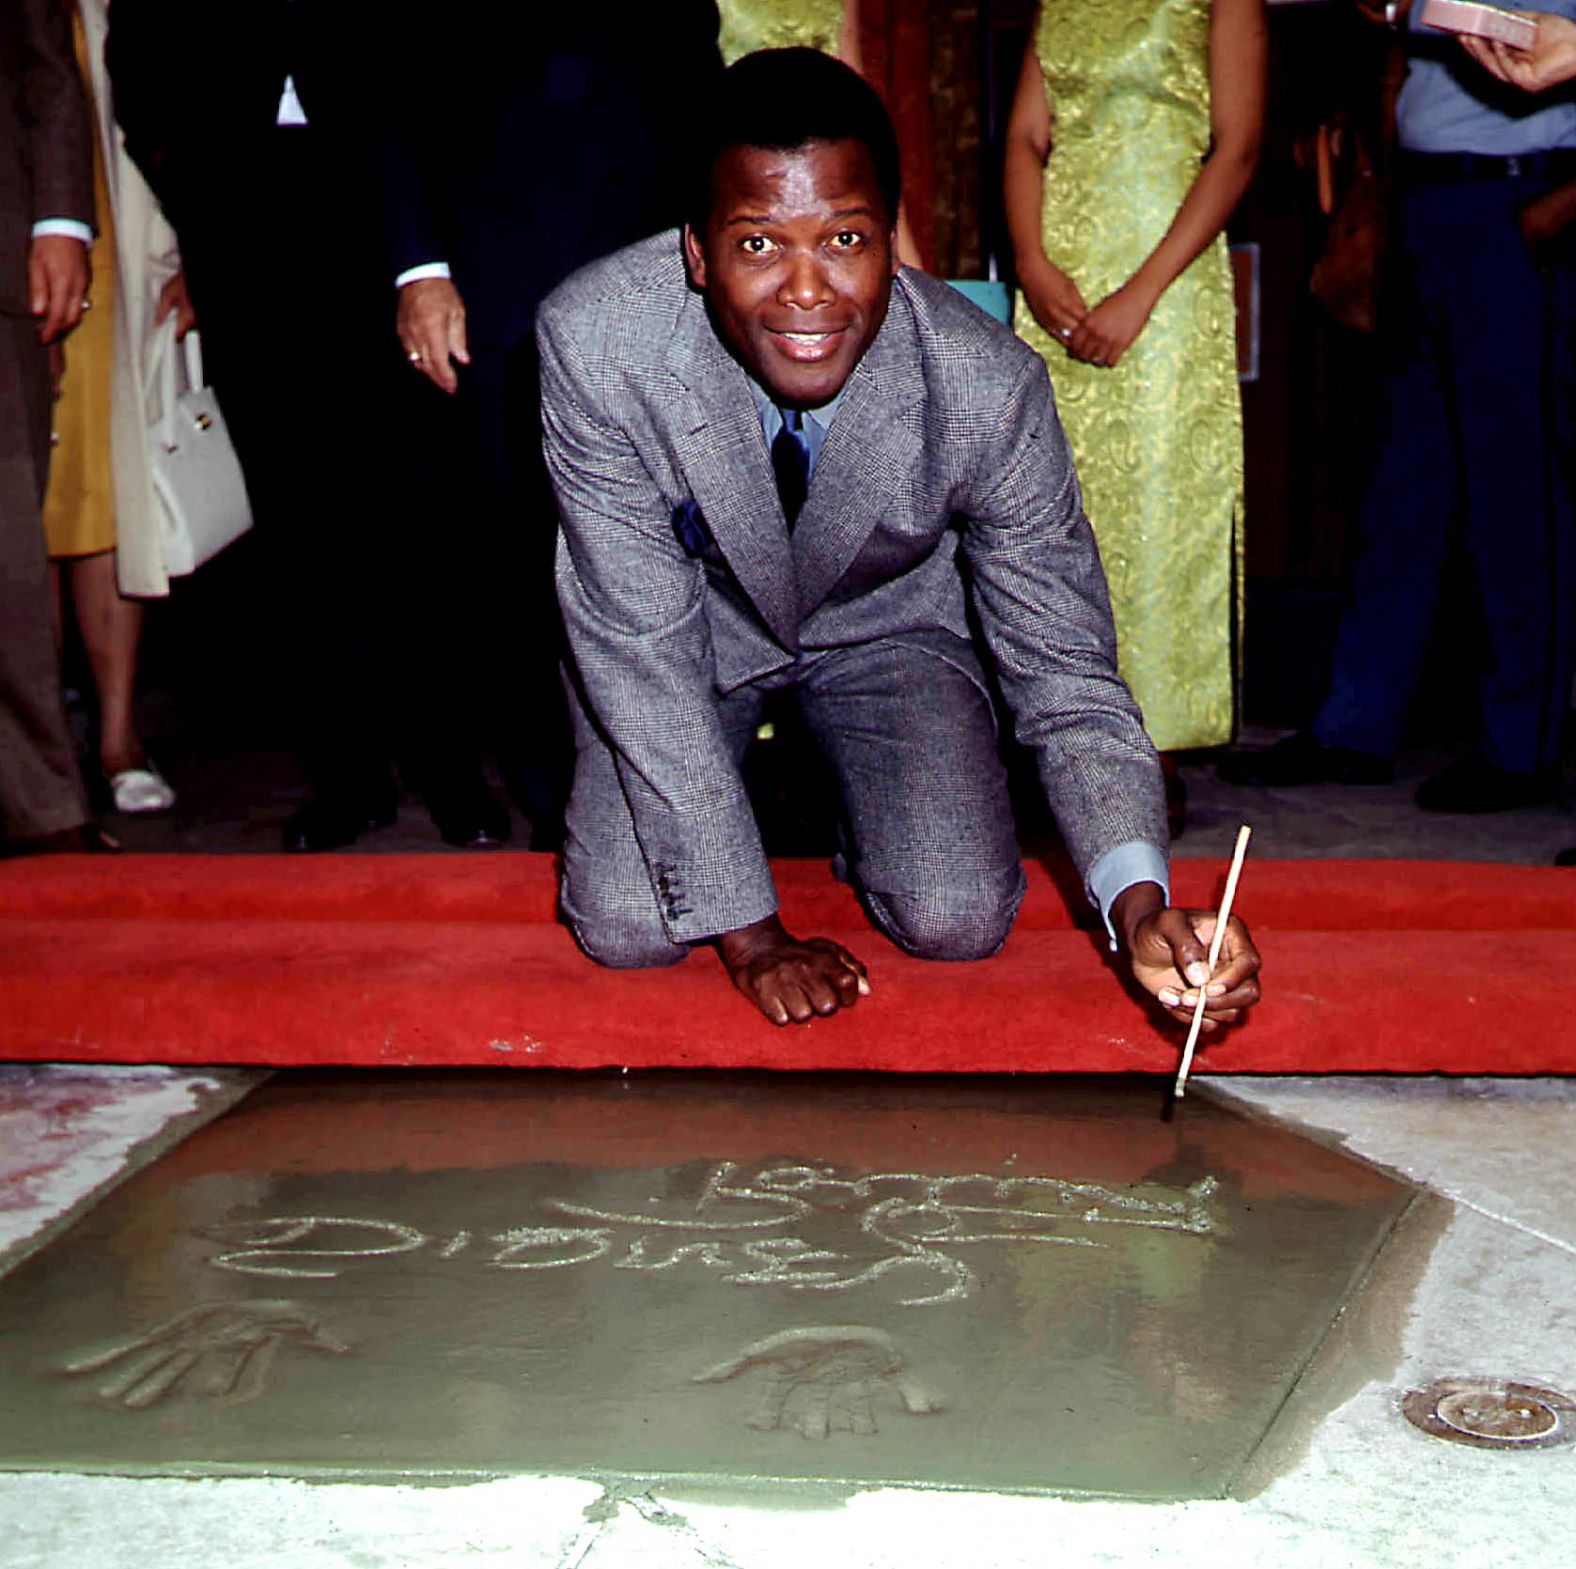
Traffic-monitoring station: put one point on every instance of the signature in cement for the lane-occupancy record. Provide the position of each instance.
(223, 1349)
(748, 1228)
(823, 1379)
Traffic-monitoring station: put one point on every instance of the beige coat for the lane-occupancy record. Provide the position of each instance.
(145, 259)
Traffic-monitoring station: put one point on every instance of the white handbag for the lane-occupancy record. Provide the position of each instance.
(196, 475)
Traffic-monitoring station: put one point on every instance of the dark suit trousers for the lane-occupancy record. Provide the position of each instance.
(1479, 399)
(40, 789)
(909, 730)
(297, 317)
(476, 463)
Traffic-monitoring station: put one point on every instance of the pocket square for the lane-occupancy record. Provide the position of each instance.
(689, 527)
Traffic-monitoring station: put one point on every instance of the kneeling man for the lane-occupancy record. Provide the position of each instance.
(780, 461)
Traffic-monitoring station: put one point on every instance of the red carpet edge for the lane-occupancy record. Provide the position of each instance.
(1399, 966)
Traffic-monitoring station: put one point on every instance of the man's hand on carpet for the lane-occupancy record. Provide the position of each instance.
(789, 980)
(1169, 951)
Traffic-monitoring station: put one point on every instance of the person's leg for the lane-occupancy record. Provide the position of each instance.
(1404, 524)
(529, 723)
(447, 612)
(1518, 516)
(606, 895)
(110, 626)
(909, 730)
(40, 788)
(312, 434)
(1560, 354)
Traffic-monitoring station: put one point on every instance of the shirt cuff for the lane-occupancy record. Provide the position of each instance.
(426, 270)
(1119, 868)
(70, 228)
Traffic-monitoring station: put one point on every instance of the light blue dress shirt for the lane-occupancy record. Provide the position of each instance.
(1120, 867)
(817, 422)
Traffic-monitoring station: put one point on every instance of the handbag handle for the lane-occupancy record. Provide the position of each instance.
(163, 371)
(192, 344)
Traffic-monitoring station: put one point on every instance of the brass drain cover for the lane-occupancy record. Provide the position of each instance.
(1492, 1413)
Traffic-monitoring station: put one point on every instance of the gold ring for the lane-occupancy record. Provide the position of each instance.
(414, 356)
(87, 305)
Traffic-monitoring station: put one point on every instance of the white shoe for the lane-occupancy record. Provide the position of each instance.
(138, 791)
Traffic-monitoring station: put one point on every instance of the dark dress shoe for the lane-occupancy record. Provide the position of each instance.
(1302, 759)
(88, 839)
(331, 822)
(468, 815)
(1475, 785)
(1566, 857)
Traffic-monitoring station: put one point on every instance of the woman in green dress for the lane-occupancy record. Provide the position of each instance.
(829, 25)
(832, 26)
(1134, 132)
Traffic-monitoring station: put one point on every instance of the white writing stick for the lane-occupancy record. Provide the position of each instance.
(1244, 833)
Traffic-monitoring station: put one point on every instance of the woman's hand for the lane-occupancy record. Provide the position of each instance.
(173, 298)
(1105, 333)
(1053, 300)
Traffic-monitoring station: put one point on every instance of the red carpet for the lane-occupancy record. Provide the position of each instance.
(1404, 966)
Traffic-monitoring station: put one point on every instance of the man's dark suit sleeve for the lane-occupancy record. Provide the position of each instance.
(46, 168)
(412, 201)
(407, 136)
(60, 131)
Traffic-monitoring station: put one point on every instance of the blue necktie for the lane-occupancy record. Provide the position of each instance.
(791, 464)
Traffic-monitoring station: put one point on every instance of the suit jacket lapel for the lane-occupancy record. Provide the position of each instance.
(718, 444)
(870, 449)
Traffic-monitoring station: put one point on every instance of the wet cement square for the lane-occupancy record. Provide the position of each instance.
(1001, 1283)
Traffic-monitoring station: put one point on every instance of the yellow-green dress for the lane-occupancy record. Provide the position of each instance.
(1158, 439)
(778, 24)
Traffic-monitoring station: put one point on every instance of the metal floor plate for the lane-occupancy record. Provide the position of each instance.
(1000, 1283)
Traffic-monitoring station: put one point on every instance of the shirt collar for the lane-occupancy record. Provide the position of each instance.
(770, 415)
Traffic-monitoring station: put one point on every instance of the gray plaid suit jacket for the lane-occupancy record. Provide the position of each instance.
(945, 473)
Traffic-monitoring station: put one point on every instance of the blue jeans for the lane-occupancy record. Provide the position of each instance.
(908, 728)
(1477, 415)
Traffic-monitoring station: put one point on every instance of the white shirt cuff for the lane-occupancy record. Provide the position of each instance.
(426, 270)
(1119, 868)
(71, 228)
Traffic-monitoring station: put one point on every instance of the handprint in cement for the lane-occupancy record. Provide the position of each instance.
(220, 1349)
(824, 1379)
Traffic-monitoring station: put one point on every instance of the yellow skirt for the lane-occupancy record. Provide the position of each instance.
(79, 505)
